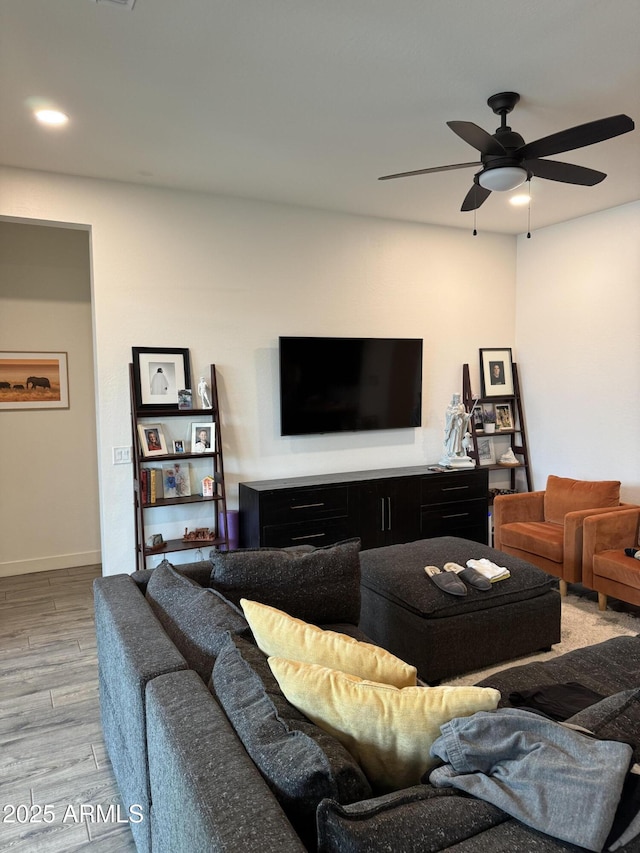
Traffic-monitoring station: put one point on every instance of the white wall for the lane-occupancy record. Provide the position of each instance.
(226, 277)
(578, 339)
(49, 497)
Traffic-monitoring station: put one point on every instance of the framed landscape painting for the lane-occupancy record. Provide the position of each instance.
(34, 380)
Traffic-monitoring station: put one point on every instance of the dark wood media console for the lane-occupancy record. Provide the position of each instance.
(386, 507)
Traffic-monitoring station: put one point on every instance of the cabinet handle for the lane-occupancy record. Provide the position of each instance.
(385, 514)
(307, 506)
(456, 515)
(454, 488)
(309, 536)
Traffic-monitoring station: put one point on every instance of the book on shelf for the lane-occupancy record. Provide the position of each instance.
(155, 484)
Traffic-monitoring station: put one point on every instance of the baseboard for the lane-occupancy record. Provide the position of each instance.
(49, 564)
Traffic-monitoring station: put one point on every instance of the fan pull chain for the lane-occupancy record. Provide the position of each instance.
(475, 220)
(529, 212)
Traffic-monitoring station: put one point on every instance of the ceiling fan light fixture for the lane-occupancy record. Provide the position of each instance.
(502, 178)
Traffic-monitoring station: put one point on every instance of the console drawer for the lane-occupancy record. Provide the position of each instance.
(461, 486)
(454, 519)
(313, 533)
(296, 505)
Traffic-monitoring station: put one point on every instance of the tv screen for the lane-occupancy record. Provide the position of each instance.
(349, 384)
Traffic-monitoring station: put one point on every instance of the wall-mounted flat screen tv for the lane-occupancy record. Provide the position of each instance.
(332, 385)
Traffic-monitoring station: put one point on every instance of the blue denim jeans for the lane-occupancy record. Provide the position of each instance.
(550, 777)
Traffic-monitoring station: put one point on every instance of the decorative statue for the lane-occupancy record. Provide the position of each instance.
(203, 393)
(456, 436)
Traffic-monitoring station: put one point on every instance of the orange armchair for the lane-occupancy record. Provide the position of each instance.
(605, 566)
(546, 528)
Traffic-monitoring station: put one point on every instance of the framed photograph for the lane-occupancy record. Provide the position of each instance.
(178, 446)
(152, 440)
(486, 451)
(476, 416)
(203, 438)
(176, 480)
(160, 373)
(504, 416)
(496, 372)
(34, 380)
(185, 399)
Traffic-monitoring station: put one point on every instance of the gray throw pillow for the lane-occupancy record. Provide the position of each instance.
(301, 763)
(321, 586)
(195, 618)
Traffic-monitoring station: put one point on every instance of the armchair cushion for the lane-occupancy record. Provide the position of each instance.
(535, 537)
(564, 495)
(616, 566)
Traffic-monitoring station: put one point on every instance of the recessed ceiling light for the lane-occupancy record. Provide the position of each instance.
(520, 199)
(53, 118)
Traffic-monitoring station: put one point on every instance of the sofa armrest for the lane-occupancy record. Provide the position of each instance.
(608, 531)
(207, 793)
(132, 649)
(573, 539)
(525, 506)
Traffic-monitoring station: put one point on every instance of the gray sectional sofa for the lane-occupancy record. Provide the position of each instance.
(203, 741)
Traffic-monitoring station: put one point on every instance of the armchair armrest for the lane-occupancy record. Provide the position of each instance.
(608, 531)
(525, 506)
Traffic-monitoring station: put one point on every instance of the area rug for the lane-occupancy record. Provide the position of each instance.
(582, 625)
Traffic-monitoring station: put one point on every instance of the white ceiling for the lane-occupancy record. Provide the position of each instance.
(309, 101)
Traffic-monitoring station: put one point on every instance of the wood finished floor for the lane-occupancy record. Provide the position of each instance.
(51, 746)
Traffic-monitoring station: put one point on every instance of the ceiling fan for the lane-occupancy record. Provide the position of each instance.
(507, 161)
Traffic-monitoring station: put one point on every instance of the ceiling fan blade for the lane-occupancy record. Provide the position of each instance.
(566, 173)
(577, 137)
(477, 137)
(476, 196)
(428, 171)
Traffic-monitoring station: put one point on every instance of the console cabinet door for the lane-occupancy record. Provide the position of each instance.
(389, 511)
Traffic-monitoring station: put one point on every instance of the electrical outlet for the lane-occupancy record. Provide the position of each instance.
(121, 455)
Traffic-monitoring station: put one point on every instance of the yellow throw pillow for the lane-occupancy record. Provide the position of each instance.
(389, 731)
(283, 636)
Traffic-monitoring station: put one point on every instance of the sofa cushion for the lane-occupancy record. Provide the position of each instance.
(413, 820)
(319, 586)
(280, 635)
(563, 495)
(195, 618)
(388, 730)
(301, 763)
(615, 718)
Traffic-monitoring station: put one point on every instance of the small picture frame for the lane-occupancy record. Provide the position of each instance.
(185, 399)
(486, 452)
(178, 446)
(504, 416)
(203, 438)
(496, 372)
(158, 374)
(476, 416)
(152, 441)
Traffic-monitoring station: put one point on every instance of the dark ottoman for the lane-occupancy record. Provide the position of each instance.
(445, 635)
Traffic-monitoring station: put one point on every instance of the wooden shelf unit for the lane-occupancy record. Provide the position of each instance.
(517, 436)
(218, 500)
